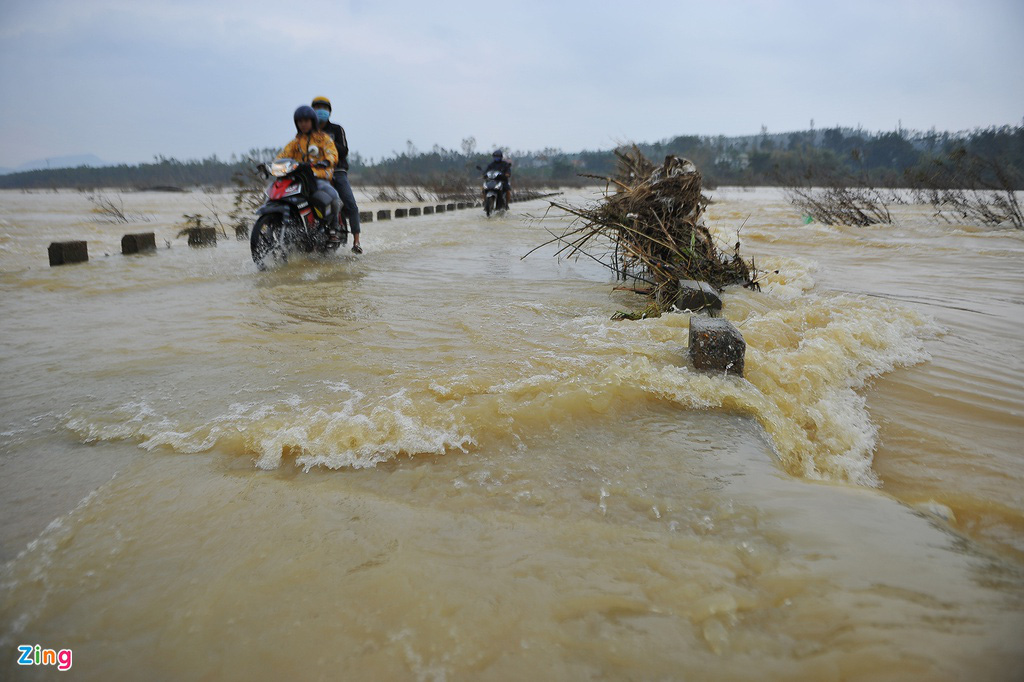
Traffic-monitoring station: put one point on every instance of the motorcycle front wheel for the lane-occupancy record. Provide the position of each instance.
(268, 241)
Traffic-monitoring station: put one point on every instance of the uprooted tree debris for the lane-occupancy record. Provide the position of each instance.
(651, 229)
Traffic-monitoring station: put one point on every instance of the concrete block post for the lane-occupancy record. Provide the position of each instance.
(694, 295)
(428, 210)
(202, 236)
(384, 214)
(461, 205)
(65, 253)
(449, 207)
(366, 216)
(137, 243)
(415, 211)
(715, 344)
(401, 212)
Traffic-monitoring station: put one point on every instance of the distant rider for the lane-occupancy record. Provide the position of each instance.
(499, 164)
(317, 149)
(322, 106)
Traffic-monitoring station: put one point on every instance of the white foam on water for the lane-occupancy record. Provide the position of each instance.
(807, 360)
(356, 433)
(805, 363)
(795, 276)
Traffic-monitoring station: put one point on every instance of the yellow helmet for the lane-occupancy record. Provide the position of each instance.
(322, 101)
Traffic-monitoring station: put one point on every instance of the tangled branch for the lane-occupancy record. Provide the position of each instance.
(650, 226)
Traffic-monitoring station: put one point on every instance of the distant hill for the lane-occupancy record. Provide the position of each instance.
(73, 161)
(883, 159)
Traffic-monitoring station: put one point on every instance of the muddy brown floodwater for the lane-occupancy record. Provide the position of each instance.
(438, 461)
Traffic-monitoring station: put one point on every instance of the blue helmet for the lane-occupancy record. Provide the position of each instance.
(305, 111)
(498, 155)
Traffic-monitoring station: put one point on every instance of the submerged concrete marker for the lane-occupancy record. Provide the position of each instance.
(401, 212)
(428, 210)
(65, 253)
(414, 211)
(717, 345)
(461, 205)
(439, 208)
(384, 214)
(366, 216)
(202, 236)
(694, 295)
(449, 207)
(137, 243)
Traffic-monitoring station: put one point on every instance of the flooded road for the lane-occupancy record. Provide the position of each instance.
(438, 460)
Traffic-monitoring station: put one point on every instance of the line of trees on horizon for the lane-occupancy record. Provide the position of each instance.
(900, 158)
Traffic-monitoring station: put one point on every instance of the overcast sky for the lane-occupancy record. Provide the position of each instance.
(131, 79)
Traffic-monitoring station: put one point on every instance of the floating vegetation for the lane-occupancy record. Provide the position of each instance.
(650, 227)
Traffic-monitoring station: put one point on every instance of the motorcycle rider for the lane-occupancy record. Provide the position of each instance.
(314, 147)
(322, 106)
(499, 164)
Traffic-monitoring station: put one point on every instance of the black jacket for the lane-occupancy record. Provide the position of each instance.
(337, 133)
(503, 167)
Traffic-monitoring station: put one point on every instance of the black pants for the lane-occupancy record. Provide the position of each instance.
(340, 182)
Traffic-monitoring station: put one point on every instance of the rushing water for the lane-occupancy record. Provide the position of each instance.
(438, 460)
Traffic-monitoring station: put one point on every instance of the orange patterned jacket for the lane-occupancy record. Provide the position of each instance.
(311, 149)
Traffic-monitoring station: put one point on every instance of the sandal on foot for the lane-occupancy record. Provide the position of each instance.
(356, 248)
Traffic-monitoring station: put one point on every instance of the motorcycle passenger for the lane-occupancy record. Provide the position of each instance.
(317, 149)
(322, 106)
(499, 164)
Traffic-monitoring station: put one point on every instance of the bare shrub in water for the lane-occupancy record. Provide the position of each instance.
(210, 202)
(839, 200)
(965, 187)
(112, 210)
(192, 222)
(838, 205)
(530, 194)
(446, 186)
(418, 193)
(451, 187)
(250, 191)
(390, 187)
(454, 186)
(652, 228)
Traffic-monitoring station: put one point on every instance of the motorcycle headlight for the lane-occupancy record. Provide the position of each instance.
(282, 167)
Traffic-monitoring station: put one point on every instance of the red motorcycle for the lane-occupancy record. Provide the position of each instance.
(295, 216)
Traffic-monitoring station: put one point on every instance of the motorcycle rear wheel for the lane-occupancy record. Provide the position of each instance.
(268, 241)
(488, 206)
